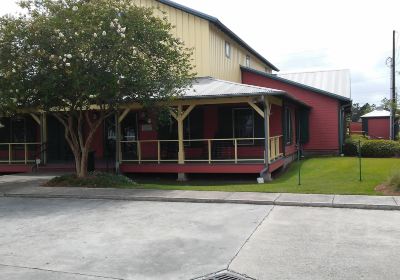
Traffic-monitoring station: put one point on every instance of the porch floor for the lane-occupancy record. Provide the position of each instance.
(100, 165)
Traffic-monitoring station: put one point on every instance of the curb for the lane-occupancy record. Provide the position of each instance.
(209, 200)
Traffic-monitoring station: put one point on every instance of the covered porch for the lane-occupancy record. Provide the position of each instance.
(215, 127)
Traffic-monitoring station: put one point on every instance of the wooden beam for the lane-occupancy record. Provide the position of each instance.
(257, 109)
(35, 117)
(173, 114)
(210, 101)
(275, 100)
(124, 114)
(187, 112)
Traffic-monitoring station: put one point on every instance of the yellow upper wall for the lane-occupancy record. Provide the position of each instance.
(208, 44)
(192, 30)
(225, 68)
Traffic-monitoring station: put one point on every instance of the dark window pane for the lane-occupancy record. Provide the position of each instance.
(243, 122)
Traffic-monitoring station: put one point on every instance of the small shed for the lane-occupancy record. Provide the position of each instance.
(376, 124)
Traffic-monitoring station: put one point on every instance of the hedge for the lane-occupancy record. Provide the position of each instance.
(373, 148)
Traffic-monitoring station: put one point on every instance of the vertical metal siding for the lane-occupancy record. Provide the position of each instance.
(192, 30)
(208, 44)
(224, 68)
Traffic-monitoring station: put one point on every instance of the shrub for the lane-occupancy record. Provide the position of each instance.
(94, 180)
(394, 180)
(380, 148)
(350, 148)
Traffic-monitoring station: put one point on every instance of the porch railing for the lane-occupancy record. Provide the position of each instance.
(275, 144)
(228, 150)
(19, 152)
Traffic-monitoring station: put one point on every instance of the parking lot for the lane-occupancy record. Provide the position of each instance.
(105, 239)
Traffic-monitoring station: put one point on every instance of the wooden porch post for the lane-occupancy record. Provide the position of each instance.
(180, 116)
(43, 138)
(181, 150)
(266, 174)
(266, 129)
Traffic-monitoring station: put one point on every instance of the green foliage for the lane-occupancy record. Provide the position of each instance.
(76, 53)
(357, 110)
(380, 148)
(94, 180)
(350, 147)
(371, 148)
(394, 180)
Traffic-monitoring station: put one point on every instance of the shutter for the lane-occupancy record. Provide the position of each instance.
(304, 126)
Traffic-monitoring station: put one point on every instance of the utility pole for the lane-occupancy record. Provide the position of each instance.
(393, 93)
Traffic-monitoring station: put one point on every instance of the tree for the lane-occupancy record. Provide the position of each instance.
(357, 111)
(387, 104)
(70, 57)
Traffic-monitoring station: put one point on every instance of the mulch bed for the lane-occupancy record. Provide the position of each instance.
(387, 190)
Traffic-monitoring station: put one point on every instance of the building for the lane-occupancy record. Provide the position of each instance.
(237, 118)
(376, 124)
(326, 92)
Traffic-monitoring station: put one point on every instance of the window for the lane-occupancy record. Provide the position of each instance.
(247, 60)
(243, 125)
(267, 70)
(228, 49)
(288, 126)
(186, 131)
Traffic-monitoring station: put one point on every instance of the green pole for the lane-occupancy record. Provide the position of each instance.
(298, 162)
(298, 154)
(359, 158)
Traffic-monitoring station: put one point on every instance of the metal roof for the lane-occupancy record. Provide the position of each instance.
(333, 81)
(297, 84)
(211, 87)
(377, 114)
(221, 26)
(208, 87)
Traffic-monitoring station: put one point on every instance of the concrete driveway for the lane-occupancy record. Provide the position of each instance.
(103, 239)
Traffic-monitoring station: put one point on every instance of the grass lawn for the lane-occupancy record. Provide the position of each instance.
(331, 175)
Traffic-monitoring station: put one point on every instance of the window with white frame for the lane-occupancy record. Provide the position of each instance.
(228, 49)
(247, 62)
(243, 125)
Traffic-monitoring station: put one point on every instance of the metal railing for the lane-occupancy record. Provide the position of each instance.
(234, 150)
(19, 152)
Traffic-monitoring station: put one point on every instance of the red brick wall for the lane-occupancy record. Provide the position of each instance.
(324, 115)
(379, 128)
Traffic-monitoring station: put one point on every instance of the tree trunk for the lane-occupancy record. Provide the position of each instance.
(79, 143)
(83, 172)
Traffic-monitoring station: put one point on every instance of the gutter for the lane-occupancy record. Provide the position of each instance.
(341, 126)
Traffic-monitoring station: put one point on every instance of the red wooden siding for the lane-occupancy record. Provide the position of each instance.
(324, 115)
(355, 128)
(379, 128)
(275, 124)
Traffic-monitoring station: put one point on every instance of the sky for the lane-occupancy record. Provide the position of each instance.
(313, 35)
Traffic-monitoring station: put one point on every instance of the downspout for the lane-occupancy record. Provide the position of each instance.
(341, 126)
(266, 137)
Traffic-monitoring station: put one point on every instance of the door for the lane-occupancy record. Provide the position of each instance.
(58, 149)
